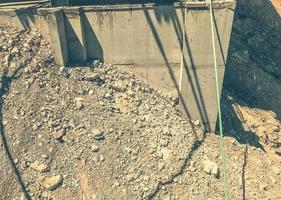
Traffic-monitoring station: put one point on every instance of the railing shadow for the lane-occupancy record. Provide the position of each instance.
(94, 48)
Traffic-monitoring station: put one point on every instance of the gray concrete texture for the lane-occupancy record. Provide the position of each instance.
(149, 40)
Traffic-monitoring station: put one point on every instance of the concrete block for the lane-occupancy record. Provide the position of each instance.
(55, 19)
(75, 32)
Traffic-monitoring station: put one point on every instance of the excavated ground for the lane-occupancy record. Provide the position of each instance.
(96, 132)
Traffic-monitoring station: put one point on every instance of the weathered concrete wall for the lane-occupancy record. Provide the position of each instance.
(135, 35)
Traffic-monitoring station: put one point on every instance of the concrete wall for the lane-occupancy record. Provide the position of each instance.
(151, 38)
(198, 78)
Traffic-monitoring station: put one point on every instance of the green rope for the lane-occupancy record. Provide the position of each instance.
(219, 106)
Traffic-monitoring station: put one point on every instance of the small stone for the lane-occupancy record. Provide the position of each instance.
(97, 134)
(79, 105)
(95, 148)
(92, 77)
(14, 51)
(107, 96)
(275, 170)
(196, 122)
(44, 156)
(51, 183)
(64, 72)
(16, 161)
(91, 92)
(263, 187)
(161, 165)
(119, 86)
(40, 167)
(58, 134)
(95, 159)
(211, 168)
(192, 169)
(159, 155)
(101, 158)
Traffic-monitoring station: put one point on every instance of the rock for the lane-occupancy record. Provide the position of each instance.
(101, 158)
(211, 167)
(58, 134)
(97, 134)
(161, 165)
(51, 183)
(64, 72)
(40, 167)
(79, 105)
(95, 148)
(263, 187)
(108, 96)
(275, 170)
(196, 122)
(16, 161)
(159, 155)
(14, 51)
(94, 77)
(91, 92)
(122, 104)
(119, 86)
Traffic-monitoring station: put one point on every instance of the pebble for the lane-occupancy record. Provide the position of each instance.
(107, 96)
(51, 183)
(161, 166)
(275, 170)
(64, 72)
(101, 158)
(97, 134)
(40, 167)
(58, 134)
(95, 148)
(211, 167)
(79, 105)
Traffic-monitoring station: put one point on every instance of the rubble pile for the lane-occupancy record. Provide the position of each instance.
(122, 131)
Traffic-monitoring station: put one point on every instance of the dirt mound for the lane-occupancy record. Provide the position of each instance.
(94, 130)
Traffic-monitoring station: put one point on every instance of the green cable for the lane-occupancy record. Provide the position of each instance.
(219, 106)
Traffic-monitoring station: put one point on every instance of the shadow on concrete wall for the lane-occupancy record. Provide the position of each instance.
(28, 15)
(94, 48)
(25, 19)
(169, 15)
(73, 42)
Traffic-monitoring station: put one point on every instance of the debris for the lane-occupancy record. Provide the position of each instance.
(51, 183)
(95, 148)
(97, 134)
(211, 167)
(40, 167)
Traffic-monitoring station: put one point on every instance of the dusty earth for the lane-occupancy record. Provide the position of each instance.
(97, 132)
